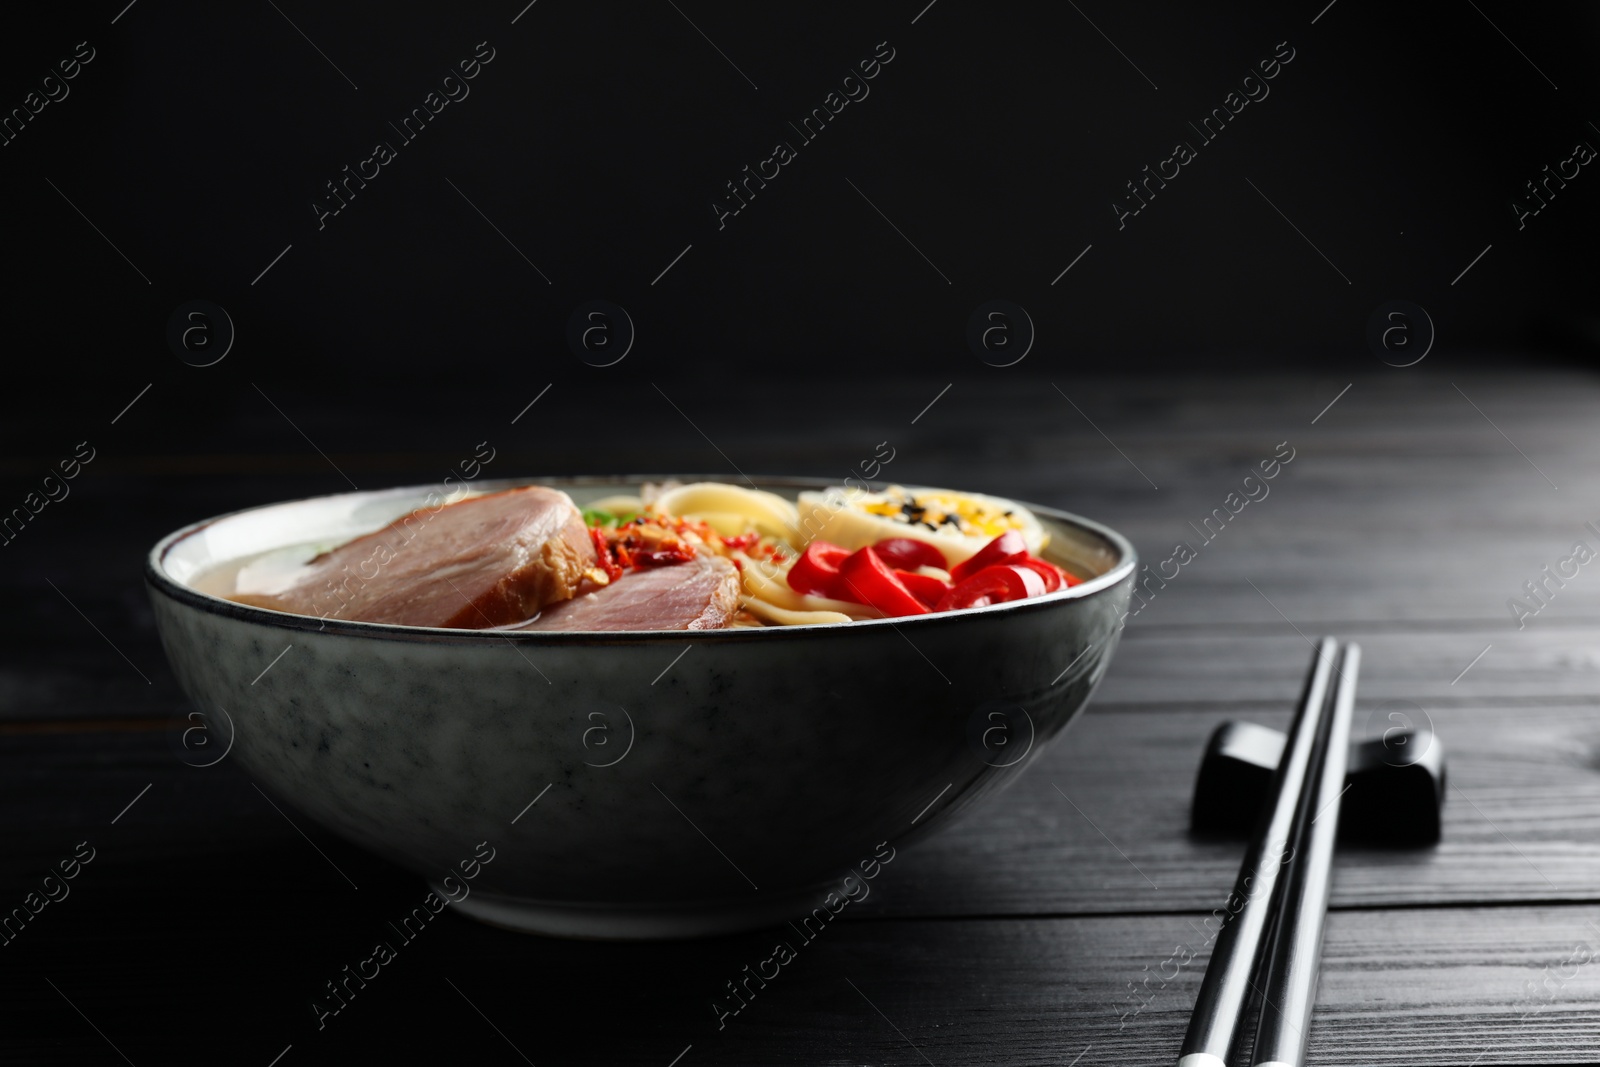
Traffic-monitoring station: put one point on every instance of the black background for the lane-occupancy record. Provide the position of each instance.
(996, 140)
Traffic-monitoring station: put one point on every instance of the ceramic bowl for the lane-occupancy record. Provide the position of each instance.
(629, 785)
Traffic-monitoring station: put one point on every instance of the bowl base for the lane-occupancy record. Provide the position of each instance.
(638, 922)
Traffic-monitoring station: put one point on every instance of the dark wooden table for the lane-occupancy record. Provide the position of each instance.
(1042, 929)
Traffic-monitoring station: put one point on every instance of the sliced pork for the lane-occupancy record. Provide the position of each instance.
(698, 594)
(483, 561)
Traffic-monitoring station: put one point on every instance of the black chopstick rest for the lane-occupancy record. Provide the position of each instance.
(1397, 785)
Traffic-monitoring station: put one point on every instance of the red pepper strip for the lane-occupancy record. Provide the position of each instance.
(1052, 575)
(907, 554)
(1002, 549)
(993, 585)
(816, 572)
(865, 579)
(925, 587)
(602, 551)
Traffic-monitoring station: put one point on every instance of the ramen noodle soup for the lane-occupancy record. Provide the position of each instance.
(698, 556)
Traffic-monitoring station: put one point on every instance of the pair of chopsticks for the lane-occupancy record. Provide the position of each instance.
(1274, 918)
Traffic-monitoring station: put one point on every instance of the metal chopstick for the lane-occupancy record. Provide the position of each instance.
(1219, 1008)
(1289, 985)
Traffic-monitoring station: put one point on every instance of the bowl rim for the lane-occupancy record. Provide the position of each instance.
(160, 581)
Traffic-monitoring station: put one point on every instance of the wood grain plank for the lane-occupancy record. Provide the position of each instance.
(1256, 666)
(1098, 823)
(1162, 667)
(1402, 504)
(1441, 986)
(1342, 539)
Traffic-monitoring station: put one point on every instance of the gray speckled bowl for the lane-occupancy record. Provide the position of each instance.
(630, 785)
